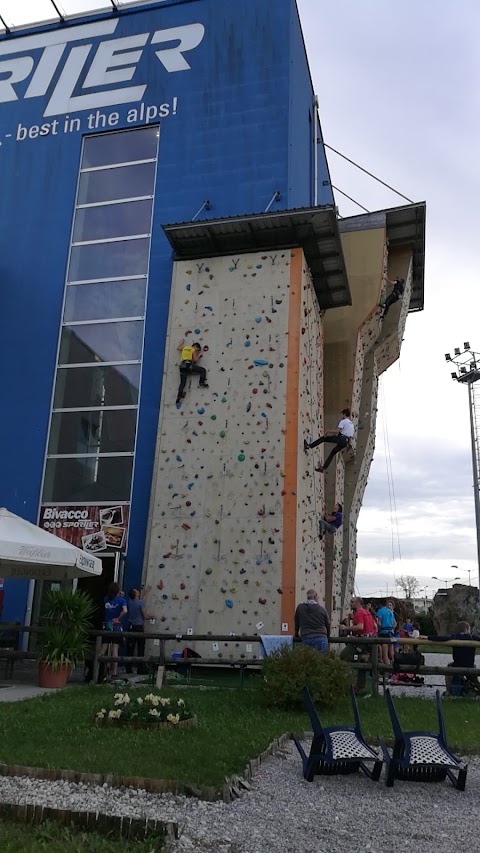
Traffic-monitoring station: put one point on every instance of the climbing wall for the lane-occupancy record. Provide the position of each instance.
(231, 530)
(311, 555)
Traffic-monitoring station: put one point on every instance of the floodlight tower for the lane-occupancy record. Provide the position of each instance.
(467, 371)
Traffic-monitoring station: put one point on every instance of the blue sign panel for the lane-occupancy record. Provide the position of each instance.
(227, 86)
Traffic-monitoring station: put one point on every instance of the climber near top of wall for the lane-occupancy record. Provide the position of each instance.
(190, 354)
(396, 294)
(340, 437)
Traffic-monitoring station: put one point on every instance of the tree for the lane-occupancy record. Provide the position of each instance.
(409, 585)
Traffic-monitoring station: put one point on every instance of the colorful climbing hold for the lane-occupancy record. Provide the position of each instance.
(201, 411)
(229, 602)
(248, 343)
(259, 362)
(241, 457)
(213, 417)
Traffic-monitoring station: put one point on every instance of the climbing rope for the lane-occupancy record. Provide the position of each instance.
(395, 533)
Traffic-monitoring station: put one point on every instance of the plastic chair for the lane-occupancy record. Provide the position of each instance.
(337, 749)
(422, 756)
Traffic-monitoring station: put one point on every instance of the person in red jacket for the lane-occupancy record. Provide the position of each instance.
(362, 624)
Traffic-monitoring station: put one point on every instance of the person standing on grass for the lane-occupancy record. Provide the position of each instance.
(386, 626)
(362, 625)
(115, 608)
(340, 437)
(312, 624)
(137, 616)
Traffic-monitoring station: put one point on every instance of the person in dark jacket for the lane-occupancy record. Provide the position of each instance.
(463, 656)
(312, 624)
(396, 294)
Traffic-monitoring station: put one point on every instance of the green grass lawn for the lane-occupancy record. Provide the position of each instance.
(49, 837)
(58, 731)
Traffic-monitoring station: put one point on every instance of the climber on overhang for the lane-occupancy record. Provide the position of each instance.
(396, 294)
(190, 354)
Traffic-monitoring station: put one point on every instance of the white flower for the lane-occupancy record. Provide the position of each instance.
(101, 714)
(149, 697)
(163, 701)
(173, 718)
(153, 712)
(140, 700)
(180, 702)
(115, 715)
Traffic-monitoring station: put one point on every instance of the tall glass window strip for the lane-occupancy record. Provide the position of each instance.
(91, 442)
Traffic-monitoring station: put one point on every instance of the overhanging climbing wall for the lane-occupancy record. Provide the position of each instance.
(232, 541)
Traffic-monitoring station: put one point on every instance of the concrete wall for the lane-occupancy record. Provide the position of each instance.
(232, 539)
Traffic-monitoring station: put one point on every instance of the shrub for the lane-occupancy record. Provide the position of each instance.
(287, 671)
(426, 623)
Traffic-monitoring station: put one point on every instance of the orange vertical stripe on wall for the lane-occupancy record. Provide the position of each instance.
(289, 553)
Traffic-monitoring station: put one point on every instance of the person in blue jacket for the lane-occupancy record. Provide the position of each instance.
(115, 608)
(386, 628)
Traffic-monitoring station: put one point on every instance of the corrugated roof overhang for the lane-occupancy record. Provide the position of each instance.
(314, 229)
(405, 227)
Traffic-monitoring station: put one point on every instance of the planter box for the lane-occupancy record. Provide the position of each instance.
(143, 724)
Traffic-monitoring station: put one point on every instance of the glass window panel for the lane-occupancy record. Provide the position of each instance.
(112, 220)
(91, 479)
(110, 184)
(101, 342)
(97, 386)
(109, 260)
(93, 432)
(105, 149)
(108, 299)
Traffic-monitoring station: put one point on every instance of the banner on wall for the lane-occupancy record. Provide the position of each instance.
(92, 528)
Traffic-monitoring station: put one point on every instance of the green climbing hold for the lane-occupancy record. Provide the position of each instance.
(213, 417)
(222, 433)
(241, 457)
(224, 399)
(208, 571)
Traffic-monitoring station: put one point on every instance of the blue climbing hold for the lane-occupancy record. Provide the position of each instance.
(208, 308)
(178, 404)
(259, 266)
(259, 362)
(190, 486)
(201, 410)
(197, 331)
(258, 319)
(248, 343)
(264, 415)
(189, 286)
(178, 457)
(229, 602)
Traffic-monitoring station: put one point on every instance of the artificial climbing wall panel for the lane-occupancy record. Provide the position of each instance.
(310, 490)
(223, 541)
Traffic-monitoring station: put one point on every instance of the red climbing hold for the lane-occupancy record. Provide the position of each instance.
(262, 600)
(182, 585)
(186, 526)
(168, 554)
(160, 585)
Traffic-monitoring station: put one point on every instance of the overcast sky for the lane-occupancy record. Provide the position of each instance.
(399, 92)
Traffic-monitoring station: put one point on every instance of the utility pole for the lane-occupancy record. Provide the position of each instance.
(467, 371)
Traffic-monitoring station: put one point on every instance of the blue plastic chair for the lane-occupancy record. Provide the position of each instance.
(422, 756)
(337, 749)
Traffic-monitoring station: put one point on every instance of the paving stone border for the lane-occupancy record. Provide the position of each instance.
(124, 827)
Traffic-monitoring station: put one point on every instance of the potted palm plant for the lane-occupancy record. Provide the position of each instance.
(64, 640)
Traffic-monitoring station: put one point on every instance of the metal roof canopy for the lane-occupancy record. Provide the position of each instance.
(314, 229)
(405, 228)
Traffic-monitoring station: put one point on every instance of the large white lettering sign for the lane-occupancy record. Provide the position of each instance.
(114, 62)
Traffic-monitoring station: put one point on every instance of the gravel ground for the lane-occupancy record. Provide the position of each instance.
(285, 814)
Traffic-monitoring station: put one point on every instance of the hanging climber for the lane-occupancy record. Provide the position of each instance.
(396, 294)
(190, 353)
(340, 437)
(331, 521)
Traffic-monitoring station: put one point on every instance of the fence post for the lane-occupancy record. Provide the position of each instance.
(374, 672)
(96, 662)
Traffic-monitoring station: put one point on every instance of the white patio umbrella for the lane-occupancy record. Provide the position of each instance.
(27, 551)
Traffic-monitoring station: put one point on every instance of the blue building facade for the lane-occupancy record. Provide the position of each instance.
(111, 126)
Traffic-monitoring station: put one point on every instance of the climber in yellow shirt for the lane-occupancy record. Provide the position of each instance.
(190, 354)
